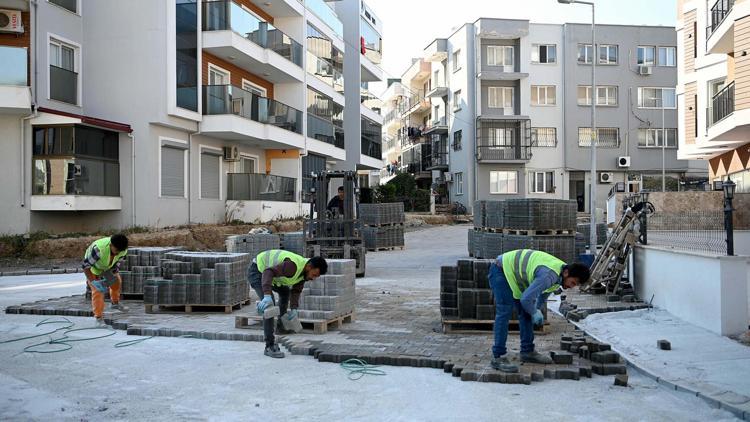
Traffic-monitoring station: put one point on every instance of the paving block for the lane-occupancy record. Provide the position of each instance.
(664, 345)
(605, 357)
(562, 358)
(621, 380)
(567, 374)
(609, 368)
(585, 371)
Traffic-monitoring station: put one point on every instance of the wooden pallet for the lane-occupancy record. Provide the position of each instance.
(385, 225)
(318, 326)
(131, 296)
(194, 308)
(388, 248)
(478, 326)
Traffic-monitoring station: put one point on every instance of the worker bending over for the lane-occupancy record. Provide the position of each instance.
(101, 265)
(524, 279)
(285, 273)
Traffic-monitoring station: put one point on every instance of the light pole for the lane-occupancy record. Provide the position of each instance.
(729, 187)
(594, 137)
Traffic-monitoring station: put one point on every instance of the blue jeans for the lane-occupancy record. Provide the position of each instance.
(504, 303)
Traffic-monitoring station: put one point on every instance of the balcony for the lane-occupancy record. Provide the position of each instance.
(231, 113)
(326, 72)
(260, 187)
(439, 92)
(503, 141)
(75, 184)
(417, 73)
(369, 100)
(437, 126)
(417, 160)
(325, 131)
(417, 104)
(236, 35)
(720, 31)
(727, 127)
(437, 51)
(63, 85)
(15, 95)
(439, 155)
(371, 149)
(325, 13)
(722, 105)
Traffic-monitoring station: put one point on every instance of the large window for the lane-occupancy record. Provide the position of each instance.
(543, 137)
(654, 138)
(187, 54)
(544, 53)
(173, 170)
(500, 55)
(608, 54)
(667, 56)
(543, 95)
(503, 182)
(606, 137)
(646, 55)
(325, 119)
(457, 135)
(585, 53)
(63, 72)
(543, 182)
(372, 42)
(607, 95)
(500, 97)
(459, 181)
(656, 98)
(210, 174)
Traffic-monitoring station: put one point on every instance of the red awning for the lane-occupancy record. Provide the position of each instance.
(93, 121)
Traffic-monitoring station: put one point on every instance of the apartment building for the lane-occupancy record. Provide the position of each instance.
(714, 88)
(515, 98)
(144, 113)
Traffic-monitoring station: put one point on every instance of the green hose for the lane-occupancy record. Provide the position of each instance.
(358, 368)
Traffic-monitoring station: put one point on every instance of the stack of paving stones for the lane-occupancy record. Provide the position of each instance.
(383, 225)
(200, 278)
(331, 295)
(544, 224)
(293, 242)
(253, 243)
(601, 232)
(140, 264)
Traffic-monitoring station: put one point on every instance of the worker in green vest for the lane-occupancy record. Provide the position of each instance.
(524, 279)
(285, 273)
(101, 265)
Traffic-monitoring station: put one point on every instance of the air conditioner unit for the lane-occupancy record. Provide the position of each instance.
(448, 177)
(623, 162)
(10, 21)
(644, 70)
(231, 153)
(606, 177)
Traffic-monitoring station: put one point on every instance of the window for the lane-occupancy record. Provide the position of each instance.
(585, 53)
(248, 164)
(543, 95)
(544, 53)
(186, 67)
(210, 174)
(500, 97)
(217, 75)
(173, 171)
(607, 95)
(667, 56)
(655, 97)
(63, 76)
(371, 41)
(459, 180)
(654, 138)
(254, 88)
(503, 182)
(543, 137)
(500, 55)
(71, 5)
(607, 137)
(457, 100)
(456, 60)
(457, 140)
(645, 56)
(371, 138)
(607, 54)
(543, 182)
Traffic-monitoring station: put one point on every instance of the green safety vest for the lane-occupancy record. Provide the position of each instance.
(274, 257)
(103, 264)
(520, 265)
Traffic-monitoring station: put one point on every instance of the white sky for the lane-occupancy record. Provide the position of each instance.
(410, 25)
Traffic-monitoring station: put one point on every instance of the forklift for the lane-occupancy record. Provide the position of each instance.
(329, 233)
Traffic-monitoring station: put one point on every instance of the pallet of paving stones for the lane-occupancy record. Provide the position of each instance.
(382, 214)
(562, 246)
(540, 214)
(140, 264)
(293, 242)
(330, 296)
(253, 243)
(383, 237)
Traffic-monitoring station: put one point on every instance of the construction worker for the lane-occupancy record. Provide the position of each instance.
(101, 264)
(285, 273)
(524, 279)
(337, 202)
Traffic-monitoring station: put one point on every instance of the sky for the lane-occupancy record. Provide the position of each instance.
(410, 25)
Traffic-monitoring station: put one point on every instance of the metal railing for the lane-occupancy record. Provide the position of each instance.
(260, 187)
(511, 152)
(324, 130)
(325, 71)
(701, 231)
(718, 13)
(63, 85)
(543, 138)
(441, 123)
(222, 15)
(722, 104)
(228, 99)
(605, 138)
(14, 69)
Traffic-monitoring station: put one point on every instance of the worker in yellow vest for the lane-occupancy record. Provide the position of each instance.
(285, 273)
(101, 265)
(524, 279)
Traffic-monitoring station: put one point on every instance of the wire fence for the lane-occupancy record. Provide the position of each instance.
(701, 231)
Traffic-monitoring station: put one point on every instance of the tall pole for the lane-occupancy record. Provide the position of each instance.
(663, 148)
(594, 137)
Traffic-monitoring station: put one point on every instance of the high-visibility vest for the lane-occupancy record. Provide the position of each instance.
(104, 263)
(274, 257)
(519, 267)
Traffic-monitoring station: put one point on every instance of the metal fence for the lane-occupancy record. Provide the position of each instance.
(701, 231)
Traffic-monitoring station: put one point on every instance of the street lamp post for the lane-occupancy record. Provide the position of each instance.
(729, 187)
(594, 137)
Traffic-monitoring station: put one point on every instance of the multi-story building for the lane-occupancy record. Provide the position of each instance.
(164, 113)
(713, 92)
(516, 99)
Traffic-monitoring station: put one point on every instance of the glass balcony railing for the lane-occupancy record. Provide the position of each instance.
(223, 15)
(63, 85)
(260, 187)
(325, 72)
(228, 99)
(323, 11)
(324, 130)
(14, 70)
(368, 99)
(371, 148)
(75, 176)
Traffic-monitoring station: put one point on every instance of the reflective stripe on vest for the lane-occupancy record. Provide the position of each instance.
(274, 257)
(519, 267)
(103, 264)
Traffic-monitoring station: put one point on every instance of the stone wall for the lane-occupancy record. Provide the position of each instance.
(677, 202)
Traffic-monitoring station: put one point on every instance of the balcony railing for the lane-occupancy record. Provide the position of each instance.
(439, 154)
(325, 72)
(223, 15)
(440, 124)
(417, 159)
(14, 69)
(722, 104)
(63, 85)
(512, 152)
(75, 176)
(323, 11)
(369, 99)
(260, 187)
(324, 130)
(228, 99)
(718, 13)
(371, 149)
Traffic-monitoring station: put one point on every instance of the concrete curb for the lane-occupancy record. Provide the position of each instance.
(40, 272)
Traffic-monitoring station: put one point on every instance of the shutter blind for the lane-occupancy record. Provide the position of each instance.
(172, 172)
(209, 176)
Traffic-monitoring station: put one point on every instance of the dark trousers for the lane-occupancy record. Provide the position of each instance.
(504, 304)
(254, 278)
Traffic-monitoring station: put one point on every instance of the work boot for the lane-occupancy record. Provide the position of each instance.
(503, 364)
(100, 323)
(274, 351)
(119, 307)
(536, 357)
(280, 328)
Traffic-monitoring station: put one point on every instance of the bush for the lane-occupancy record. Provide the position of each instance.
(403, 188)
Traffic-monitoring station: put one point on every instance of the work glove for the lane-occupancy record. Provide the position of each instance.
(537, 319)
(291, 314)
(100, 285)
(265, 303)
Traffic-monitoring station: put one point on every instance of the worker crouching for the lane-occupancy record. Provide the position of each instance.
(101, 265)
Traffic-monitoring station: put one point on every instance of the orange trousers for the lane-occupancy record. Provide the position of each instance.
(97, 297)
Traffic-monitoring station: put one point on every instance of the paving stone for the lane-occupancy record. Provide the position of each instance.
(567, 374)
(621, 380)
(564, 358)
(609, 368)
(585, 371)
(664, 345)
(605, 357)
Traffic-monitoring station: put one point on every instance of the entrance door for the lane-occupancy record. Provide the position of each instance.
(581, 195)
(247, 165)
(219, 93)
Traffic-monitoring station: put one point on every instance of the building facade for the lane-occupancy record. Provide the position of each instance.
(142, 113)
